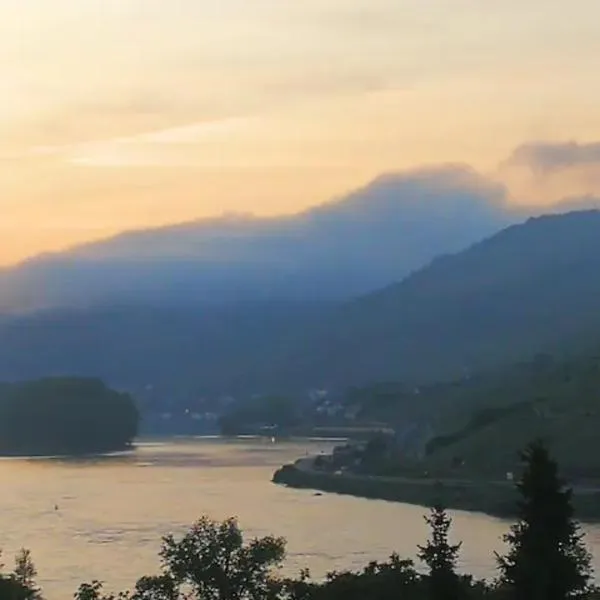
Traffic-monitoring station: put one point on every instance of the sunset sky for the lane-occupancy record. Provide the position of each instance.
(117, 114)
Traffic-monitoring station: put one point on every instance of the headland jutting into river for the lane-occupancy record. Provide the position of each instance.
(495, 498)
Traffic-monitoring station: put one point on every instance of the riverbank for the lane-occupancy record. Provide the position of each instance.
(493, 498)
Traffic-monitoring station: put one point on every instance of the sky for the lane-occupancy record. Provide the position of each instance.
(120, 114)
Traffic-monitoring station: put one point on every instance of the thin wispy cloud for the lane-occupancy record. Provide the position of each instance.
(548, 171)
(546, 157)
(188, 134)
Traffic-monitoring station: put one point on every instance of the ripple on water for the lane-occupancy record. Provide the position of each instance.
(114, 510)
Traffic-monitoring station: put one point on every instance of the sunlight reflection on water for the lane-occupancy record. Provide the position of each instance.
(113, 510)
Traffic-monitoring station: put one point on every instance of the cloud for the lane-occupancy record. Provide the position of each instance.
(549, 172)
(360, 242)
(152, 148)
(543, 158)
(145, 128)
(588, 202)
(81, 70)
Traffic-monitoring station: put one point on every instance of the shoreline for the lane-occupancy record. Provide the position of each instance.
(40, 455)
(496, 499)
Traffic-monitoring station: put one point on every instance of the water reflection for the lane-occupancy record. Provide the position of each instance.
(113, 510)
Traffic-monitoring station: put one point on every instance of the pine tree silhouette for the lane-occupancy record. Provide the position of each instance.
(441, 557)
(547, 559)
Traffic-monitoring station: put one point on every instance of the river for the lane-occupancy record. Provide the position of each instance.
(102, 518)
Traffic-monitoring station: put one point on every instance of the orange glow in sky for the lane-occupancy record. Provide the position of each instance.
(117, 114)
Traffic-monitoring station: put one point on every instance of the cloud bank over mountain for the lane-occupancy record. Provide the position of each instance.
(349, 246)
(346, 247)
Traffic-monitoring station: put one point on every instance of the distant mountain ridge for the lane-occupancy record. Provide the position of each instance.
(531, 287)
(345, 248)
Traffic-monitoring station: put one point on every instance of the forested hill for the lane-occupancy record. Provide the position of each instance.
(64, 416)
(556, 401)
(530, 288)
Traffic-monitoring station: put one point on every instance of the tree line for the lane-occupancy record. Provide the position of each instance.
(65, 415)
(546, 559)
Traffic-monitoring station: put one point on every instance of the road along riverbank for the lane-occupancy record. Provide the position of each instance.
(495, 498)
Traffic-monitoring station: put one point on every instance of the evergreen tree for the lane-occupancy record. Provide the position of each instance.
(441, 557)
(25, 572)
(20, 584)
(547, 559)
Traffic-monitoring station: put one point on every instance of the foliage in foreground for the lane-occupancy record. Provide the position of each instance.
(546, 560)
(20, 584)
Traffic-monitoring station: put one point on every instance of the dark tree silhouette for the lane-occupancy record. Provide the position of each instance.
(547, 559)
(214, 561)
(389, 580)
(65, 415)
(20, 584)
(94, 591)
(159, 587)
(210, 562)
(11, 589)
(25, 574)
(441, 557)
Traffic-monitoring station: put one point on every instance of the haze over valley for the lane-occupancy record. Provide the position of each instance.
(310, 318)
(329, 266)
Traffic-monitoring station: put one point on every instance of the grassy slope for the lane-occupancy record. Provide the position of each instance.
(487, 420)
(559, 403)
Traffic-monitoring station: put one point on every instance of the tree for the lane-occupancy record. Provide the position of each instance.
(65, 415)
(389, 580)
(25, 573)
(547, 559)
(159, 587)
(214, 561)
(20, 584)
(11, 589)
(441, 557)
(94, 591)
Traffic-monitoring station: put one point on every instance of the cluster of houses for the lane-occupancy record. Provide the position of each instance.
(383, 447)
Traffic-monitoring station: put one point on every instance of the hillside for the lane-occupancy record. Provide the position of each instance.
(180, 354)
(347, 247)
(558, 401)
(457, 442)
(531, 287)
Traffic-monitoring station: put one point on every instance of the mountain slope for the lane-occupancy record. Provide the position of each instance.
(556, 401)
(345, 248)
(181, 354)
(530, 287)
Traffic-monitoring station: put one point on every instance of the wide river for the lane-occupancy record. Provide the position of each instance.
(103, 518)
